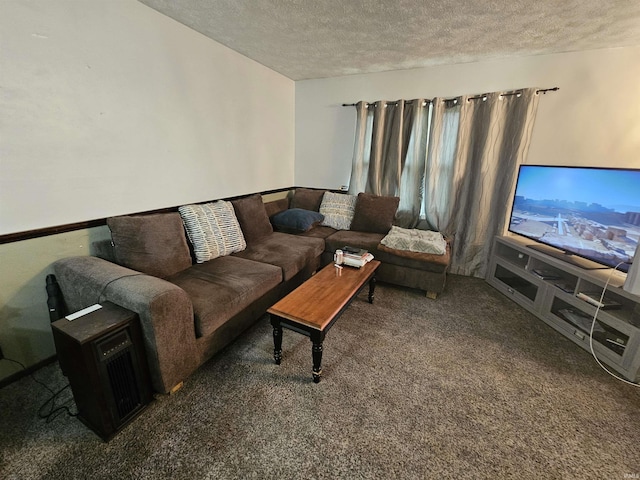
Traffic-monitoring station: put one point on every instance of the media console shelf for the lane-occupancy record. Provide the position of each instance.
(564, 296)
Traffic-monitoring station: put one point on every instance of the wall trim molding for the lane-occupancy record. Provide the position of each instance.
(70, 227)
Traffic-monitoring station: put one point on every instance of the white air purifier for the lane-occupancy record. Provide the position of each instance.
(632, 284)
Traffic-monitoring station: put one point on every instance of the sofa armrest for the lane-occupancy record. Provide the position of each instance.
(165, 311)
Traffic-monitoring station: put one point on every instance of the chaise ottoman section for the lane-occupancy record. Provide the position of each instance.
(223, 287)
(420, 261)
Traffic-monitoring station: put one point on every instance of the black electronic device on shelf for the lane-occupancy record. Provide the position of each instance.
(546, 274)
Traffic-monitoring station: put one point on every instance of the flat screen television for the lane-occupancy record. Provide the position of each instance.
(591, 213)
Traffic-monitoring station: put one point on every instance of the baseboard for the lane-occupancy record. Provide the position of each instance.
(26, 371)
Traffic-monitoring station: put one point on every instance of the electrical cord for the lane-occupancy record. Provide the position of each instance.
(53, 410)
(593, 324)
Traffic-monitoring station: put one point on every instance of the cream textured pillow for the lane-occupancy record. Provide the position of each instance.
(338, 210)
(213, 229)
(414, 240)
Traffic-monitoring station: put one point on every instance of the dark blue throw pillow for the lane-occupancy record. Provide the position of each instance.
(296, 220)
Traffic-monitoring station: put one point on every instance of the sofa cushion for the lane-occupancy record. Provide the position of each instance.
(212, 229)
(374, 213)
(338, 209)
(319, 231)
(253, 218)
(307, 199)
(154, 244)
(276, 206)
(296, 220)
(442, 259)
(223, 287)
(289, 252)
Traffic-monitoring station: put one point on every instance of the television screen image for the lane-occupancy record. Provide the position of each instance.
(590, 212)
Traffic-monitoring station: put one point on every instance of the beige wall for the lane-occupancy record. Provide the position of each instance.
(109, 107)
(594, 118)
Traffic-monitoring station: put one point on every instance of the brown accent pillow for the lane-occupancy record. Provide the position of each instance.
(154, 244)
(307, 199)
(252, 217)
(374, 213)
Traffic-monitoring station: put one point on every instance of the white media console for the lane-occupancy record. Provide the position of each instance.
(565, 297)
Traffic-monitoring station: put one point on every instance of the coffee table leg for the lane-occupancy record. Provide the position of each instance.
(316, 353)
(277, 339)
(372, 288)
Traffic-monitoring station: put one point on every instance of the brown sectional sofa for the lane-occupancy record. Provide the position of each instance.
(420, 271)
(189, 311)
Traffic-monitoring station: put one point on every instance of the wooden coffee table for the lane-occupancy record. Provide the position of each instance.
(313, 307)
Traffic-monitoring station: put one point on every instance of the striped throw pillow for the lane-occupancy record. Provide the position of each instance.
(338, 210)
(213, 229)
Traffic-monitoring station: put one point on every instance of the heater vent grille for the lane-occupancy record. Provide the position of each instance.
(123, 384)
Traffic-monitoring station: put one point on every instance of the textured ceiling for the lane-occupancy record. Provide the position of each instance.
(305, 39)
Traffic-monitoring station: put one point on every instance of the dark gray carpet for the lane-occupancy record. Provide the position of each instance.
(467, 386)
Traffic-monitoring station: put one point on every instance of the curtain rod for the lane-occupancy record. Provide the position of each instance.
(426, 102)
(508, 94)
(516, 92)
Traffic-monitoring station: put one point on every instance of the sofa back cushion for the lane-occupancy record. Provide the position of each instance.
(154, 244)
(276, 206)
(307, 199)
(253, 218)
(213, 230)
(374, 213)
(338, 209)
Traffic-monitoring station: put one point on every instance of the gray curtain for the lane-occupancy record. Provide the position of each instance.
(455, 159)
(443, 173)
(476, 145)
(361, 148)
(390, 153)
